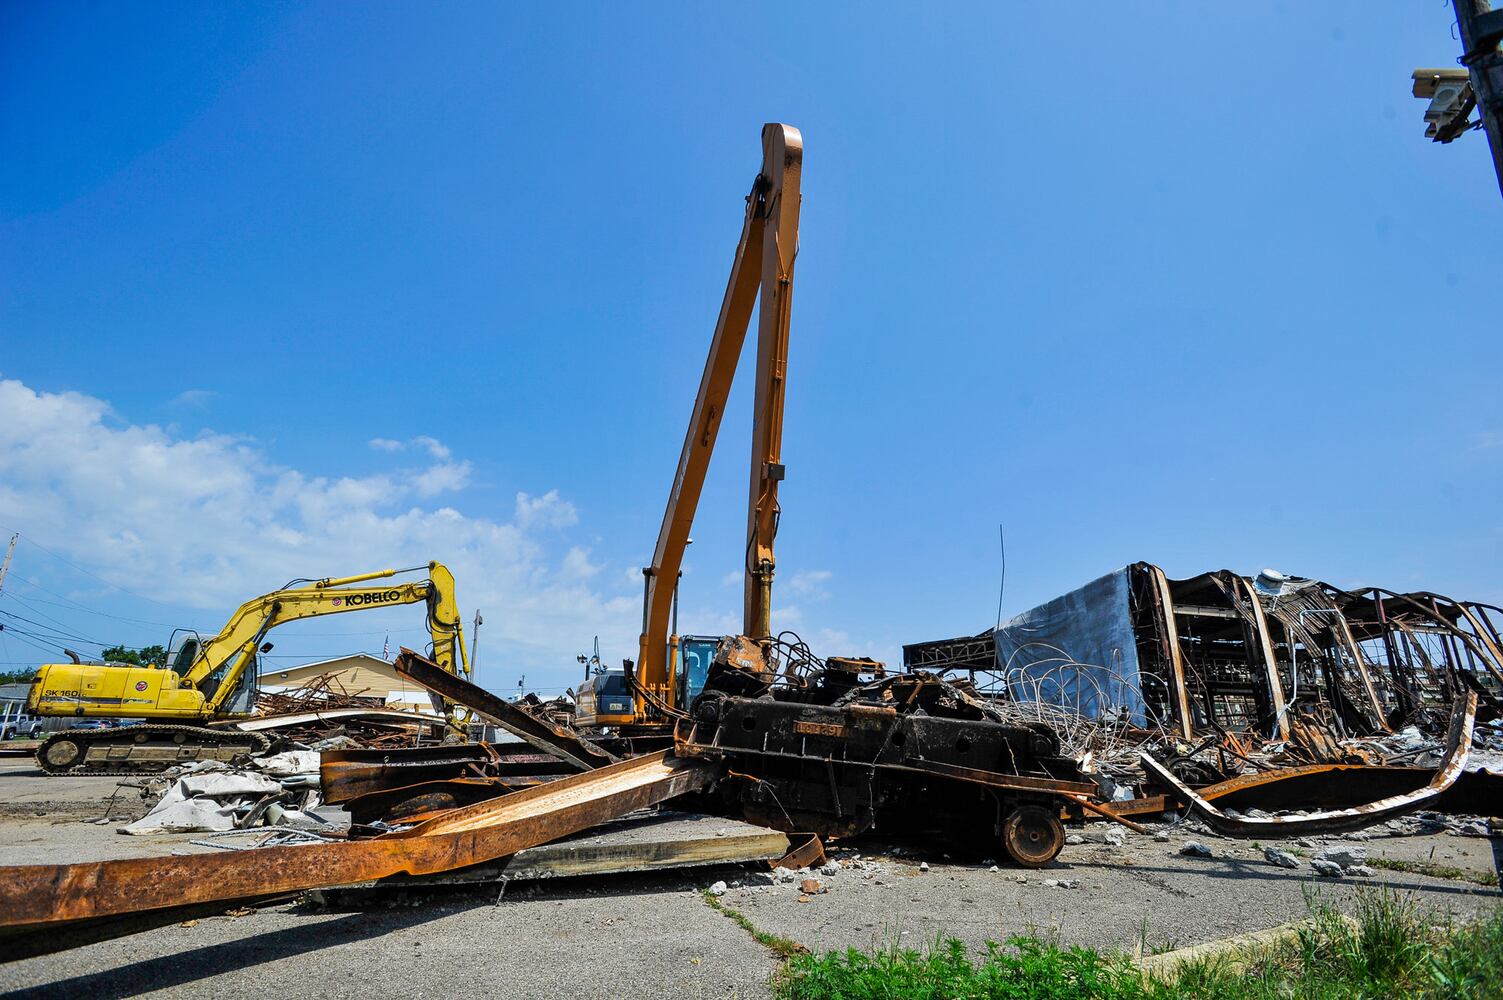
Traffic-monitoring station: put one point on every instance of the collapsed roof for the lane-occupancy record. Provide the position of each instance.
(1220, 652)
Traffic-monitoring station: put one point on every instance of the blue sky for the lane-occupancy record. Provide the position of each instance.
(1187, 288)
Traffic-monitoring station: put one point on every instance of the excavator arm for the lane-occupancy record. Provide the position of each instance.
(222, 659)
(202, 676)
(763, 266)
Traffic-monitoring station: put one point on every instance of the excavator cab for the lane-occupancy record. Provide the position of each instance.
(605, 700)
(696, 653)
(182, 650)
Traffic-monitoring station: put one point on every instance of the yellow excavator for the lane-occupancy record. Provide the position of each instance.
(192, 700)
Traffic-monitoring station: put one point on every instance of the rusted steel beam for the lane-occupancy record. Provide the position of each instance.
(1349, 641)
(1105, 813)
(997, 779)
(808, 852)
(1144, 806)
(1476, 792)
(416, 803)
(1458, 748)
(1492, 658)
(1265, 647)
(37, 900)
(1181, 692)
(547, 737)
(346, 774)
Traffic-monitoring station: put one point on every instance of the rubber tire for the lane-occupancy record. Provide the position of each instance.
(1032, 836)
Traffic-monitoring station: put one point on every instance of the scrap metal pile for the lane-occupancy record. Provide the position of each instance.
(779, 737)
(834, 747)
(321, 715)
(1227, 684)
(841, 747)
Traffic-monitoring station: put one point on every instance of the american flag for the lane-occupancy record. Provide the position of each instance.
(386, 649)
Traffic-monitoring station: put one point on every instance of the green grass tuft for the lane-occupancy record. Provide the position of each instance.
(1026, 968)
(1389, 948)
(784, 948)
(1434, 870)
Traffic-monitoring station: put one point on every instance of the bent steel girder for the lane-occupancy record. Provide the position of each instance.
(39, 900)
(557, 741)
(1458, 749)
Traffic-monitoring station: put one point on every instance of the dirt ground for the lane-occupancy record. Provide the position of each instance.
(656, 936)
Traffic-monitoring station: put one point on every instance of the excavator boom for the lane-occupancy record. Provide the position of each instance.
(762, 269)
(782, 166)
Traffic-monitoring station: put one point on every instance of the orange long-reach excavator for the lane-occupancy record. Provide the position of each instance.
(643, 698)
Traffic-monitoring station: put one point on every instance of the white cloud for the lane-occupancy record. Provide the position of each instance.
(442, 478)
(433, 446)
(809, 583)
(193, 397)
(706, 621)
(577, 563)
(211, 520)
(547, 511)
(787, 616)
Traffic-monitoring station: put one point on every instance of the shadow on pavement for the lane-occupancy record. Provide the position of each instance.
(181, 968)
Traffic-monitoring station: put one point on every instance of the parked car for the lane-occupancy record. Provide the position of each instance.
(20, 727)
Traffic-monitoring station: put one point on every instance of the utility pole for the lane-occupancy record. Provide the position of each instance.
(10, 550)
(475, 643)
(1481, 30)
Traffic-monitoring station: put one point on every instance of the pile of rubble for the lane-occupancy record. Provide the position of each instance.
(320, 714)
(315, 693)
(211, 796)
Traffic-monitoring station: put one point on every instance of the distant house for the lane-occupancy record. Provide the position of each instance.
(13, 699)
(14, 693)
(356, 674)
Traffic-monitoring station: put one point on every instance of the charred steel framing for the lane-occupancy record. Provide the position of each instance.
(1217, 653)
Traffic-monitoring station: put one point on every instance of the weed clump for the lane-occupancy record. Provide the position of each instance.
(1390, 947)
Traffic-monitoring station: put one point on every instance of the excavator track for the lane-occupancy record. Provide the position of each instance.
(145, 749)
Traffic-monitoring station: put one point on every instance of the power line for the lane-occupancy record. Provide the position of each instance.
(35, 611)
(48, 628)
(60, 641)
(96, 576)
(46, 650)
(46, 633)
(74, 605)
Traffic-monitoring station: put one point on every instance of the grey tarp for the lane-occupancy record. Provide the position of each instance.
(1077, 651)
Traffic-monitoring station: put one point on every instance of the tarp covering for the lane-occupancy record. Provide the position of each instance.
(1077, 651)
(204, 801)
